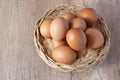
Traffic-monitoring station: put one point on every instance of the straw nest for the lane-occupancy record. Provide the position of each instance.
(93, 57)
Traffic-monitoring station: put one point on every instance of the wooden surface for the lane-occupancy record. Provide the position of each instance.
(18, 57)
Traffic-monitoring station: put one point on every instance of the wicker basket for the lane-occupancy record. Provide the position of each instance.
(93, 57)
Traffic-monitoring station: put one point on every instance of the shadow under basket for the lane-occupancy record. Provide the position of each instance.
(92, 58)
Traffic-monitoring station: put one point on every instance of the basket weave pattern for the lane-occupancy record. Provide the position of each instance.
(93, 57)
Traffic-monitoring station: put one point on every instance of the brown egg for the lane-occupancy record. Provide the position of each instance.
(89, 14)
(64, 54)
(45, 28)
(82, 52)
(78, 23)
(76, 39)
(56, 44)
(68, 16)
(95, 38)
(58, 28)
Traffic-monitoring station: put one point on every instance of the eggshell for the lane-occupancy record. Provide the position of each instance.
(58, 28)
(76, 39)
(82, 52)
(95, 38)
(64, 54)
(89, 14)
(45, 28)
(56, 44)
(68, 16)
(78, 23)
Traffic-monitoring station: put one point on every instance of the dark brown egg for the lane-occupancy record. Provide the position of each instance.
(45, 28)
(56, 44)
(76, 39)
(78, 23)
(95, 38)
(68, 16)
(58, 28)
(89, 15)
(64, 55)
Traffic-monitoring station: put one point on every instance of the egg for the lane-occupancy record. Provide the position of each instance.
(95, 38)
(58, 28)
(76, 39)
(89, 15)
(78, 23)
(45, 28)
(68, 16)
(56, 44)
(82, 52)
(64, 55)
